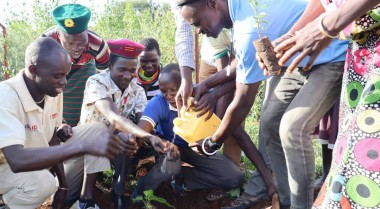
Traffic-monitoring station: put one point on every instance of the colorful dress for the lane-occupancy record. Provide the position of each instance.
(354, 178)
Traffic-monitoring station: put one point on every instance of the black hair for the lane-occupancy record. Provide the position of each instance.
(113, 59)
(41, 51)
(151, 44)
(173, 71)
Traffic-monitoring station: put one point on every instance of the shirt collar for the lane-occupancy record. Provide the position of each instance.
(115, 88)
(19, 85)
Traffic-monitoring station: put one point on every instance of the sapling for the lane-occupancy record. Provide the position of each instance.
(263, 45)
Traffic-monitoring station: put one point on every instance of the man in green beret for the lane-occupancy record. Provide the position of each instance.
(84, 47)
(88, 52)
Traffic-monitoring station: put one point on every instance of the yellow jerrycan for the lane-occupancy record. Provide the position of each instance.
(191, 128)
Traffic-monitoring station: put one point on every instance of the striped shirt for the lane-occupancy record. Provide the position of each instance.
(151, 90)
(73, 91)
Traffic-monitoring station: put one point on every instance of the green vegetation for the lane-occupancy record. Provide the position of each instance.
(120, 19)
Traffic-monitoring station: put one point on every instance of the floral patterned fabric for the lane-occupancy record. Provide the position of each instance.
(354, 178)
(100, 86)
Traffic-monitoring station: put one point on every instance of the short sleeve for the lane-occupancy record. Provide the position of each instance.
(12, 130)
(248, 70)
(96, 89)
(153, 111)
(141, 100)
(103, 56)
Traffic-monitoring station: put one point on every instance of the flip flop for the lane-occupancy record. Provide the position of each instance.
(216, 195)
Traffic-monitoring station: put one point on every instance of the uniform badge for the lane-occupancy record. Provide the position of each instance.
(69, 23)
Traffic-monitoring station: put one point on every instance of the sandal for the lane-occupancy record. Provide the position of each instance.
(216, 195)
(242, 203)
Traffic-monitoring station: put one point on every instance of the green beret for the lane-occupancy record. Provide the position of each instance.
(184, 2)
(72, 18)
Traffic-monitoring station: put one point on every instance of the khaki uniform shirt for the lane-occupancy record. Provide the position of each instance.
(100, 86)
(22, 121)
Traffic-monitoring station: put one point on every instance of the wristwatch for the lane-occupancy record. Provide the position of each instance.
(213, 145)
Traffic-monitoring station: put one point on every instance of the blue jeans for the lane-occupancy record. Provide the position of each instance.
(294, 105)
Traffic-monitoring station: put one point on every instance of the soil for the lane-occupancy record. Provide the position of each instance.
(191, 200)
(266, 52)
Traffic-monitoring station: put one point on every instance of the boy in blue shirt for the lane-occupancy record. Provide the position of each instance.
(215, 171)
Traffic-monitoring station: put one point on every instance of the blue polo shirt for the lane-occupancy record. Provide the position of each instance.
(161, 116)
(280, 17)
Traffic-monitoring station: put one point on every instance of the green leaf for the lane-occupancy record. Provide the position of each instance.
(234, 192)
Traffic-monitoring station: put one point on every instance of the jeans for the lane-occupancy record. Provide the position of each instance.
(294, 105)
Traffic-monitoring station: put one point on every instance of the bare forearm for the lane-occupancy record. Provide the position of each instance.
(31, 159)
(221, 77)
(127, 126)
(313, 10)
(237, 111)
(58, 168)
(225, 88)
(347, 13)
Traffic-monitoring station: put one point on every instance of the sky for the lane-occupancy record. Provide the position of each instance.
(15, 4)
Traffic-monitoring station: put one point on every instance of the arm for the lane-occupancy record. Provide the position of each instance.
(210, 99)
(185, 55)
(310, 41)
(58, 168)
(217, 79)
(237, 111)
(108, 108)
(22, 159)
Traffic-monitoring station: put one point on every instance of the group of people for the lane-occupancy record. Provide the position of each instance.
(74, 122)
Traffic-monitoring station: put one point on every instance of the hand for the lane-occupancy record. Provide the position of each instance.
(173, 151)
(64, 132)
(206, 104)
(184, 92)
(309, 41)
(156, 142)
(279, 54)
(59, 199)
(206, 147)
(131, 146)
(108, 145)
(199, 90)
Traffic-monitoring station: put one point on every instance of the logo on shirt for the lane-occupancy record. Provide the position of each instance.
(54, 116)
(31, 127)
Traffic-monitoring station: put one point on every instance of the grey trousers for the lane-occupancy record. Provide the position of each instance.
(215, 171)
(295, 104)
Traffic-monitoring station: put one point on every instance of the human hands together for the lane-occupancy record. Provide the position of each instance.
(171, 150)
(206, 104)
(309, 41)
(156, 142)
(64, 132)
(130, 144)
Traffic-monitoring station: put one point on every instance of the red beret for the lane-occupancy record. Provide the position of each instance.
(125, 48)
